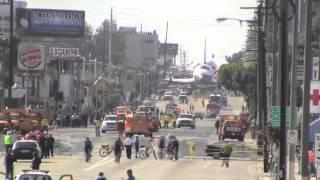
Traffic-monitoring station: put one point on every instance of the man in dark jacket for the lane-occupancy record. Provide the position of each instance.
(137, 144)
(8, 160)
(118, 145)
(42, 144)
(36, 161)
(51, 142)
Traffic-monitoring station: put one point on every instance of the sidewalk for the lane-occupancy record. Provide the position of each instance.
(266, 176)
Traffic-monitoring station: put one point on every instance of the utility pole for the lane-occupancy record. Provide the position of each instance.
(306, 92)
(293, 94)
(110, 41)
(205, 51)
(283, 54)
(262, 76)
(165, 53)
(10, 82)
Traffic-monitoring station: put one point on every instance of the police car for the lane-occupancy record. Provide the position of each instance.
(39, 174)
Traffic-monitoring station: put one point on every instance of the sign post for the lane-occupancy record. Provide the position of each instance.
(292, 137)
(314, 97)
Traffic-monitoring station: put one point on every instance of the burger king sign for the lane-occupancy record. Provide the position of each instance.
(30, 56)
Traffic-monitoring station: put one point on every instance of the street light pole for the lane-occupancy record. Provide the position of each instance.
(10, 82)
(306, 92)
(283, 54)
(293, 94)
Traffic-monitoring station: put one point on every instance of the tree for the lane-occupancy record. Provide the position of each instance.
(102, 46)
(237, 77)
(235, 58)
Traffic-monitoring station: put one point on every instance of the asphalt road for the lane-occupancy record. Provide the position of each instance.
(71, 161)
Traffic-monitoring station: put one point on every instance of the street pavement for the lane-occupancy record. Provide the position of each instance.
(70, 158)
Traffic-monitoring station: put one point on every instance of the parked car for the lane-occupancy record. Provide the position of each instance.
(185, 120)
(23, 149)
(198, 115)
(167, 97)
(40, 175)
(109, 123)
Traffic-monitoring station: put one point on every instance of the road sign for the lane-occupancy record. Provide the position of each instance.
(315, 68)
(317, 148)
(275, 121)
(292, 137)
(315, 97)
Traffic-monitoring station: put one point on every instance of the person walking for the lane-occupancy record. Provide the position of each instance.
(8, 163)
(129, 142)
(137, 144)
(226, 151)
(117, 149)
(51, 142)
(130, 175)
(100, 176)
(97, 124)
(36, 161)
(88, 146)
(8, 141)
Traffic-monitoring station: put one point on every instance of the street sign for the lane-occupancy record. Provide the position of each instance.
(315, 97)
(275, 121)
(315, 68)
(317, 148)
(292, 137)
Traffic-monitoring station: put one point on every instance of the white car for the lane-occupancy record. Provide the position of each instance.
(109, 123)
(186, 120)
(39, 174)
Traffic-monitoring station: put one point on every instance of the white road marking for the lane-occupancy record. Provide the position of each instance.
(99, 163)
(207, 165)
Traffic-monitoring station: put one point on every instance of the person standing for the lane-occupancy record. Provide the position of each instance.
(36, 161)
(100, 176)
(8, 141)
(8, 162)
(117, 149)
(129, 142)
(137, 145)
(51, 142)
(130, 175)
(311, 161)
(42, 144)
(88, 146)
(226, 151)
(175, 149)
(97, 124)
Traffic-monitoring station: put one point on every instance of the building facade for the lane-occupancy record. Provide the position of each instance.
(5, 16)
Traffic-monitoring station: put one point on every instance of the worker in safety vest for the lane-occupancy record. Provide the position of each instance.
(311, 162)
(8, 141)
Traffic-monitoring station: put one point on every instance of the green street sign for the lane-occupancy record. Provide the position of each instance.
(275, 115)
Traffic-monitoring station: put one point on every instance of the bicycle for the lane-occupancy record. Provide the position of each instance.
(145, 152)
(105, 150)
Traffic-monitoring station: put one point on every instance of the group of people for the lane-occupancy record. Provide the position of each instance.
(169, 145)
(77, 119)
(46, 142)
(129, 174)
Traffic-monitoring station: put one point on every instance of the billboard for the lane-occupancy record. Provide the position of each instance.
(50, 22)
(172, 49)
(31, 56)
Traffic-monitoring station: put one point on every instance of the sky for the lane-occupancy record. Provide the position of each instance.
(189, 21)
